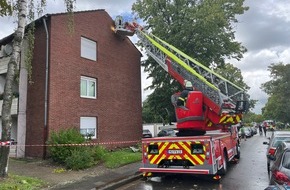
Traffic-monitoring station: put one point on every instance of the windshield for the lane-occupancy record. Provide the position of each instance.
(279, 140)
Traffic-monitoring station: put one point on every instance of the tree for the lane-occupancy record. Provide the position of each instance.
(24, 10)
(234, 74)
(6, 8)
(278, 89)
(202, 29)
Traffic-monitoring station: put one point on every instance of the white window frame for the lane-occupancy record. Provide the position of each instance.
(88, 82)
(88, 49)
(88, 125)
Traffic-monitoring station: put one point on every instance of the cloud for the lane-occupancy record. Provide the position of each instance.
(264, 25)
(264, 30)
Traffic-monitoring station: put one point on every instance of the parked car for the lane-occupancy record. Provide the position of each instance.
(5, 143)
(248, 132)
(278, 187)
(280, 165)
(254, 130)
(167, 132)
(276, 138)
(146, 133)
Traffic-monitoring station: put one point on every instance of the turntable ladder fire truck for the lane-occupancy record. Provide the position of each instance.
(208, 138)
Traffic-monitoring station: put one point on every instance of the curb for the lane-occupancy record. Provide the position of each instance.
(120, 182)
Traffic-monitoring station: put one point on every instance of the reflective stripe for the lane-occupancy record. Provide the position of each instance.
(181, 99)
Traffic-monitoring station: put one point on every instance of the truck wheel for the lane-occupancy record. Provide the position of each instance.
(238, 149)
(223, 171)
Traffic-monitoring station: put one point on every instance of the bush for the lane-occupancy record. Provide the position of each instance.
(60, 153)
(99, 152)
(80, 159)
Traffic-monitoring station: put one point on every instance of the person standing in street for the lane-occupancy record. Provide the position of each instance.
(260, 129)
(243, 133)
(264, 129)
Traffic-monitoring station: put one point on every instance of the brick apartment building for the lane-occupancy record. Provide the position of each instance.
(89, 79)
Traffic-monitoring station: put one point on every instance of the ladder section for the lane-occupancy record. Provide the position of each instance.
(229, 91)
(216, 88)
(221, 93)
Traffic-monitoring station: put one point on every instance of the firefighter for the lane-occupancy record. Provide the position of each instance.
(181, 101)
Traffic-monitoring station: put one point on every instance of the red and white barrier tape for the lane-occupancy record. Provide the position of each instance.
(83, 144)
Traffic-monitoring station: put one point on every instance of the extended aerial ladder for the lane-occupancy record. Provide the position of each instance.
(225, 102)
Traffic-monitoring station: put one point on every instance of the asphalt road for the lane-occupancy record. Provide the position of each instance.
(249, 173)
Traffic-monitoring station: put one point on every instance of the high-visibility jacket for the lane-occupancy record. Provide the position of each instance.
(181, 101)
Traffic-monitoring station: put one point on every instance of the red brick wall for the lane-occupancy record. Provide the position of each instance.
(117, 70)
(35, 98)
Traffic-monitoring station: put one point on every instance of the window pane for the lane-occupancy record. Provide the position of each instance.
(83, 131)
(83, 87)
(91, 131)
(91, 88)
(88, 87)
(286, 161)
(88, 49)
(88, 126)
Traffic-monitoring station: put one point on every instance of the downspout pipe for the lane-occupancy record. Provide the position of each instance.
(46, 86)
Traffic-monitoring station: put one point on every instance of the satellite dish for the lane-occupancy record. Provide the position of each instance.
(8, 49)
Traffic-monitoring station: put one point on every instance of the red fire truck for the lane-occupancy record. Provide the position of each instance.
(208, 138)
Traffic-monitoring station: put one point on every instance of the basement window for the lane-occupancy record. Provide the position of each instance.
(88, 49)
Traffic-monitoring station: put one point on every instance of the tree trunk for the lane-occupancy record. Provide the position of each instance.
(8, 93)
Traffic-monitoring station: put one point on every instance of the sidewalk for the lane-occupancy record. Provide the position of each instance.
(97, 177)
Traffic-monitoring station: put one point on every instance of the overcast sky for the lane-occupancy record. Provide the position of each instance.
(264, 30)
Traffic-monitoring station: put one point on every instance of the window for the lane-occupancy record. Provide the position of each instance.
(88, 127)
(88, 49)
(286, 161)
(88, 87)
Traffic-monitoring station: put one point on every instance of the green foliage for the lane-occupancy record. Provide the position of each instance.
(6, 8)
(278, 89)
(99, 152)
(15, 182)
(234, 74)
(29, 51)
(80, 159)
(60, 153)
(201, 29)
(252, 117)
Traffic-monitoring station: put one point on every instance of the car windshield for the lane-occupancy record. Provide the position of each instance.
(279, 140)
(286, 160)
(146, 131)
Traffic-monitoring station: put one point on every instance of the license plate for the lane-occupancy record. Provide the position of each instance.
(174, 151)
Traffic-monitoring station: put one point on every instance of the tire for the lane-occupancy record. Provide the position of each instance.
(238, 155)
(268, 167)
(224, 170)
